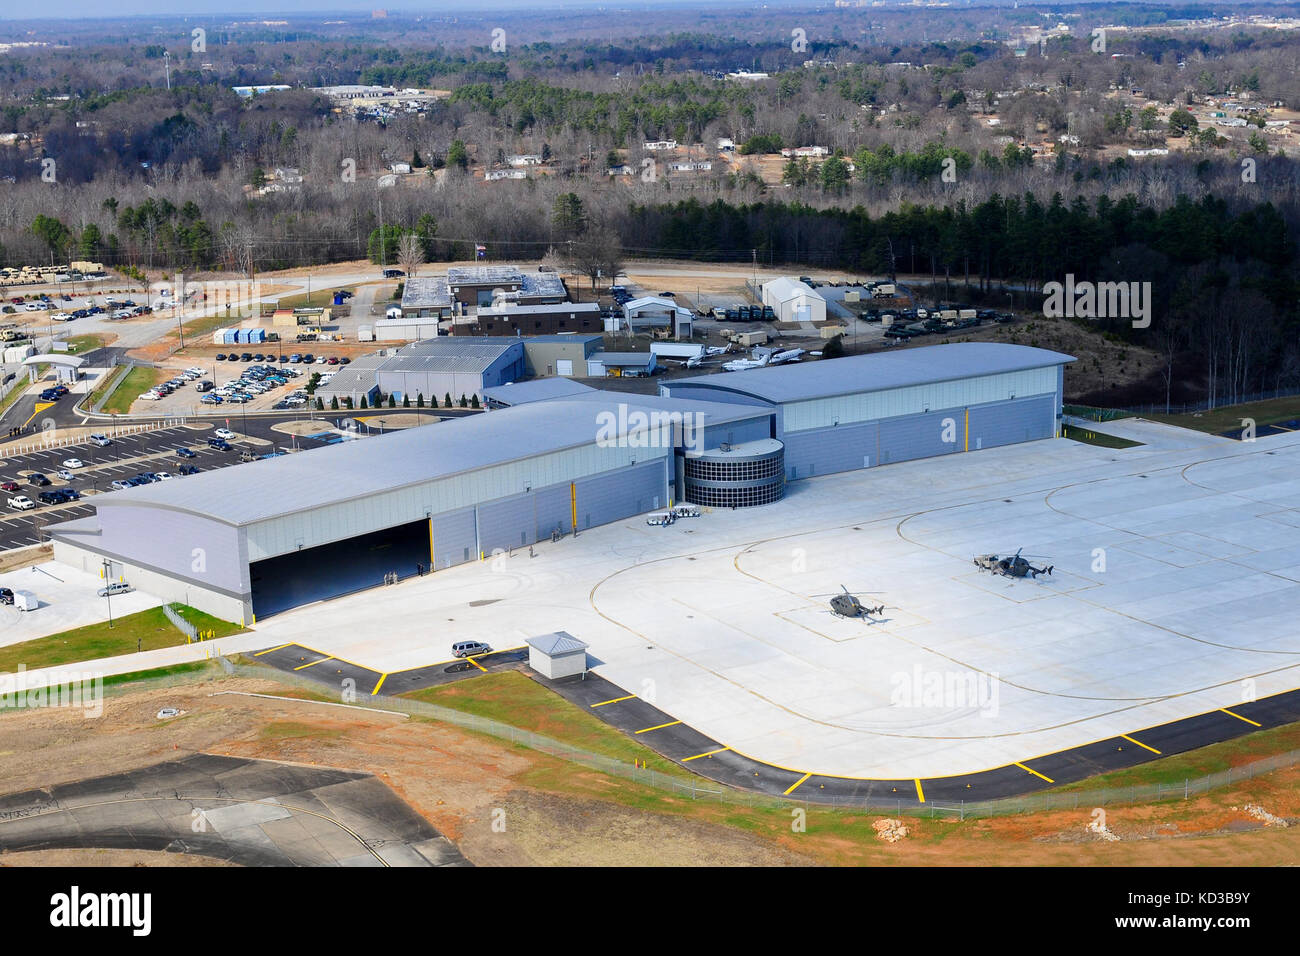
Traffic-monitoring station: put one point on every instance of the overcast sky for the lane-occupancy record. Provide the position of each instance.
(19, 9)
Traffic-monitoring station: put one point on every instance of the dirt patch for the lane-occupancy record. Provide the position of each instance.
(25, 557)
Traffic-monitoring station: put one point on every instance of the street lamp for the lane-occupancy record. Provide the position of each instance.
(108, 591)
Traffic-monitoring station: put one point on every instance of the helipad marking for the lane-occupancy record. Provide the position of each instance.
(270, 649)
(382, 677)
(313, 663)
(920, 794)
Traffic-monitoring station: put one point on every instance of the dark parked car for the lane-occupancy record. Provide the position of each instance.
(345, 361)
(37, 479)
(393, 273)
(246, 357)
(221, 356)
(219, 443)
(185, 453)
(188, 470)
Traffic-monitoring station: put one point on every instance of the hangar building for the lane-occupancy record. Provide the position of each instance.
(868, 410)
(433, 368)
(262, 537)
(258, 538)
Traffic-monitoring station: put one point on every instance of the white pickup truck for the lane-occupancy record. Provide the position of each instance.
(21, 503)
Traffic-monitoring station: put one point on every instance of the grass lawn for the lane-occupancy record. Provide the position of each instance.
(1215, 758)
(138, 381)
(1089, 437)
(13, 396)
(1228, 418)
(85, 343)
(150, 629)
(510, 697)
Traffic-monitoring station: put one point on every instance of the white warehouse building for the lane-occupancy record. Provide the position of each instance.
(794, 301)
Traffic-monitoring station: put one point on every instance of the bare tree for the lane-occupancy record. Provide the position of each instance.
(410, 253)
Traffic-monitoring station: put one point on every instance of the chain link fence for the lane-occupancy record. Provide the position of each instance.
(700, 788)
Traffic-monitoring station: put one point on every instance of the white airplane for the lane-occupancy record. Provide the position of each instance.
(790, 355)
(717, 349)
(741, 365)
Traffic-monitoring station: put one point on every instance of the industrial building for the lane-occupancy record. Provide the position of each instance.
(433, 368)
(481, 285)
(564, 355)
(426, 298)
(549, 319)
(653, 313)
(280, 532)
(794, 301)
(868, 410)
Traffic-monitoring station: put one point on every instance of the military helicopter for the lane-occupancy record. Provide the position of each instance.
(1012, 567)
(846, 605)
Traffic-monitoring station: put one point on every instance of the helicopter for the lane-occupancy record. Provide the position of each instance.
(846, 605)
(1012, 567)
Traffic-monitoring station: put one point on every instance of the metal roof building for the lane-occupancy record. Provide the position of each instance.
(434, 368)
(538, 390)
(275, 533)
(866, 410)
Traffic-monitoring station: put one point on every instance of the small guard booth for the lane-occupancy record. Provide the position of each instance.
(557, 655)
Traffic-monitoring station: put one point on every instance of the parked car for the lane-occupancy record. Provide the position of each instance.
(50, 497)
(469, 649)
(219, 443)
(6, 596)
(211, 399)
(21, 503)
(117, 587)
(73, 463)
(103, 441)
(37, 479)
(65, 475)
(224, 433)
(9, 486)
(185, 453)
(221, 356)
(188, 470)
(393, 273)
(120, 485)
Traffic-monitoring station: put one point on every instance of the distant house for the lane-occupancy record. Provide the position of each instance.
(524, 159)
(661, 144)
(806, 152)
(623, 170)
(726, 146)
(1153, 151)
(400, 169)
(494, 174)
(690, 167)
(745, 76)
(288, 174)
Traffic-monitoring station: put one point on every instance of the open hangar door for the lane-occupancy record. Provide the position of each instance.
(353, 564)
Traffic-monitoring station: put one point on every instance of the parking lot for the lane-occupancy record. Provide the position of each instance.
(126, 457)
(67, 600)
(187, 400)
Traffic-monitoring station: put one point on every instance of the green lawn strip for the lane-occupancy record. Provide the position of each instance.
(1216, 758)
(138, 381)
(513, 699)
(1087, 436)
(1229, 417)
(84, 343)
(151, 629)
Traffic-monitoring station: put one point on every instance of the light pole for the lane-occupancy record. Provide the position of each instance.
(108, 590)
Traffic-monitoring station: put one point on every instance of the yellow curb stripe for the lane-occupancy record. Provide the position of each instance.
(920, 794)
(1239, 717)
(314, 663)
(614, 701)
(708, 754)
(1035, 773)
(270, 649)
(477, 664)
(797, 784)
(672, 723)
(1140, 744)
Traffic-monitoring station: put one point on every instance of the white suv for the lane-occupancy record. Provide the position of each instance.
(225, 433)
(21, 503)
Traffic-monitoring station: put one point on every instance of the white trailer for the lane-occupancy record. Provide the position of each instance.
(676, 350)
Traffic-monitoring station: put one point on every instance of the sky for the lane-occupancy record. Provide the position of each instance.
(23, 9)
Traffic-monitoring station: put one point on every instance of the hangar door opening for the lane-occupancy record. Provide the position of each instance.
(353, 564)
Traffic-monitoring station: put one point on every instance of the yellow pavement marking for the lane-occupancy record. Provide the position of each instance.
(477, 664)
(40, 407)
(709, 754)
(270, 649)
(795, 786)
(1035, 773)
(314, 663)
(1140, 744)
(379, 685)
(920, 794)
(1239, 717)
(672, 723)
(614, 701)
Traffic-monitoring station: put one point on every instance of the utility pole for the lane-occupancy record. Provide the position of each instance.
(108, 590)
(167, 67)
